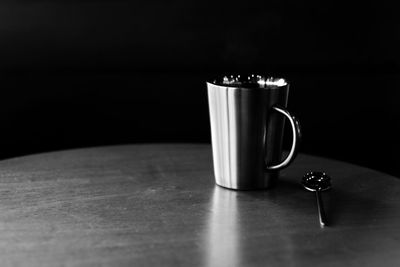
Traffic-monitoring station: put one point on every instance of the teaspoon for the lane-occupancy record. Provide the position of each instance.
(318, 182)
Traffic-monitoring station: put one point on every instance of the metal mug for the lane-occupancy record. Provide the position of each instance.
(247, 116)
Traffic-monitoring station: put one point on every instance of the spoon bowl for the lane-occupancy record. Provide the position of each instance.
(313, 181)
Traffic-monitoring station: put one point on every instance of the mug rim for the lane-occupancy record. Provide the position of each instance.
(256, 80)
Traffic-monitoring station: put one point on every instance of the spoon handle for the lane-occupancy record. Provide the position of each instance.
(321, 211)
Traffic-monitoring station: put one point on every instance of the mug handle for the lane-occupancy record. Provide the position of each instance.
(296, 136)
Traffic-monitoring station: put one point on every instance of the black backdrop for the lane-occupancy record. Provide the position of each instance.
(85, 73)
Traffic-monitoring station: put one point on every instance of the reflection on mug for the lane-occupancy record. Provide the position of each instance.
(247, 118)
(223, 230)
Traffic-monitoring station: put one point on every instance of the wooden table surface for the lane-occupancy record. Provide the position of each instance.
(157, 205)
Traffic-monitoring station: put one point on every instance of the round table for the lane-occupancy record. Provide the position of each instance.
(157, 205)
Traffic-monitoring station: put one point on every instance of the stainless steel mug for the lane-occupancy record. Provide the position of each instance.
(247, 116)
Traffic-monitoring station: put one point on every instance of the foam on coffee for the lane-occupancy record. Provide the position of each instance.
(250, 81)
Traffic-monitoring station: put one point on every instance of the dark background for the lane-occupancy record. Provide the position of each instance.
(86, 73)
